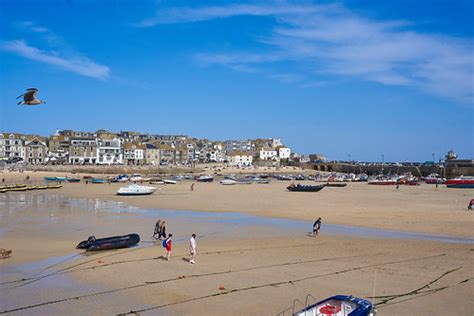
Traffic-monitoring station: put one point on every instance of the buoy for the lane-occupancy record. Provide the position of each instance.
(221, 287)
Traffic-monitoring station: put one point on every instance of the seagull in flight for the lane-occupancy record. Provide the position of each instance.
(29, 98)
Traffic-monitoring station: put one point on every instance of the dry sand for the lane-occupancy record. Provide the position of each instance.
(262, 271)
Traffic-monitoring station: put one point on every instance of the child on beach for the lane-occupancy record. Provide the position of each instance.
(316, 227)
(192, 248)
(167, 244)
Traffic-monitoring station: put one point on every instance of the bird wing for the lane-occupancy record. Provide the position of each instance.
(20, 96)
(31, 89)
(30, 95)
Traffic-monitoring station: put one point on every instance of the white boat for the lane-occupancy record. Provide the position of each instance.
(135, 189)
(136, 177)
(159, 182)
(170, 181)
(228, 182)
(205, 178)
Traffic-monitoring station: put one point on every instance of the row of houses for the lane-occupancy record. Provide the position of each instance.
(131, 148)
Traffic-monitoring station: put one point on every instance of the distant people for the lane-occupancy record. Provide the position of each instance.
(192, 186)
(167, 243)
(398, 186)
(471, 205)
(192, 248)
(316, 227)
(3, 180)
(157, 229)
(437, 184)
(162, 231)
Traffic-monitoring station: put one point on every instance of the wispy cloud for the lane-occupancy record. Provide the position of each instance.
(61, 56)
(332, 40)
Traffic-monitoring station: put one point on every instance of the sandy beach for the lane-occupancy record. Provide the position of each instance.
(257, 262)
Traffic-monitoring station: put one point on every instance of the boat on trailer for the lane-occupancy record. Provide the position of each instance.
(339, 305)
(94, 244)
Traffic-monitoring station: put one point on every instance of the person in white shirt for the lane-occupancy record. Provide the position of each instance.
(192, 248)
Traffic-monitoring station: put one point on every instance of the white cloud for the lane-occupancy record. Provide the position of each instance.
(77, 64)
(333, 40)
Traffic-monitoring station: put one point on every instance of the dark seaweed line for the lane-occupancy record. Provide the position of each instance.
(276, 284)
(388, 298)
(170, 280)
(61, 271)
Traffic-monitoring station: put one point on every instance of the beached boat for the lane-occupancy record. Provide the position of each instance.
(461, 183)
(228, 182)
(166, 181)
(58, 186)
(382, 182)
(205, 178)
(93, 180)
(305, 188)
(136, 177)
(157, 181)
(93, 244)
(55, 179)
(339, 305)
(73, 180)
(336, 184)
(434, 178)
(262, 181)
(135, 189)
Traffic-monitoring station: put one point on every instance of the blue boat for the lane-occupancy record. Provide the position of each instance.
(97, 181)
(55, 179)
(342, 305)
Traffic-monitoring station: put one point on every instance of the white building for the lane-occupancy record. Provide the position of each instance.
(11, 146)
(109, 151)
(240, 159)
(82, 150)
(134, 153)
(277, 142)
(267, 153)
(284, 152)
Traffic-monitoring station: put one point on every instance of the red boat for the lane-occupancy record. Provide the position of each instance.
(434, 178)
(461, 182)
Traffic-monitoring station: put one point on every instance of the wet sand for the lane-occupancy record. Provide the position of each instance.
(262, 269)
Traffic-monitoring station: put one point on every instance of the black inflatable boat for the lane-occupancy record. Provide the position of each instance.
(94, 244)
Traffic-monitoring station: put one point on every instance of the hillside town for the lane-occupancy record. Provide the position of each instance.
(68, 147)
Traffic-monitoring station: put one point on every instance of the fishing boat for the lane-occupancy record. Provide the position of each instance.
(93, 244)
(135, 189)
(228, 182)
(94, 180)
(305, 188)
(462, 182)
(339, 305)
(205, 178)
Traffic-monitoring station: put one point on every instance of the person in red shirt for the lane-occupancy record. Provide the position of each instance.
(168, 247)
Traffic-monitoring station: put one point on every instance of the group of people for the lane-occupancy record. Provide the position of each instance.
(160, 230)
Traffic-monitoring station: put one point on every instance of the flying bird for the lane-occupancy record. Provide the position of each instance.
(29, 98)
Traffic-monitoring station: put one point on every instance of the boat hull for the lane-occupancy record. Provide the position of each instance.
(306, 188)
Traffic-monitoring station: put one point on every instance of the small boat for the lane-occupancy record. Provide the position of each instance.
(94, 180)
(58, 186)
(300, 177)
(3, 190)
(340, 305)
(461, 182)
(228, 182)
(93, 244)
(336, 184)
(284, 178)
(136, 177)
(205, 178)
(55, 179)
(382, 182)
(262, 181)
(135, 189)
(157, 181)
(170, 181)
(305, 188)
(73, 180)
(434, 178)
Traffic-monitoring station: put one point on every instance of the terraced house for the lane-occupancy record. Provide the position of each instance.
(36, 150)
(109, 149)
(11, 146)
(82, 150)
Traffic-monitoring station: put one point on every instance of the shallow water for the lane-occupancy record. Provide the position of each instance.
(224, 221)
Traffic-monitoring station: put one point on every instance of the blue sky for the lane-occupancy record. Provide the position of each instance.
(363, 78)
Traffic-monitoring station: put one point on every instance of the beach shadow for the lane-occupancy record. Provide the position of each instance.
(185, 260)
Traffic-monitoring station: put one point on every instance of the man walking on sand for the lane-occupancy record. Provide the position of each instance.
(316, 227)
(192, 248)
(167, 244)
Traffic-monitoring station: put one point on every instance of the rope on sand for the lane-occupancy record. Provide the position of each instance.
(217, 273)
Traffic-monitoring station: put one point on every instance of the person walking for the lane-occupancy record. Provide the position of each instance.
(157, 229)
(316, 227)
(167, 243)
(162, 231)
(192, 186)
(192, 248)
